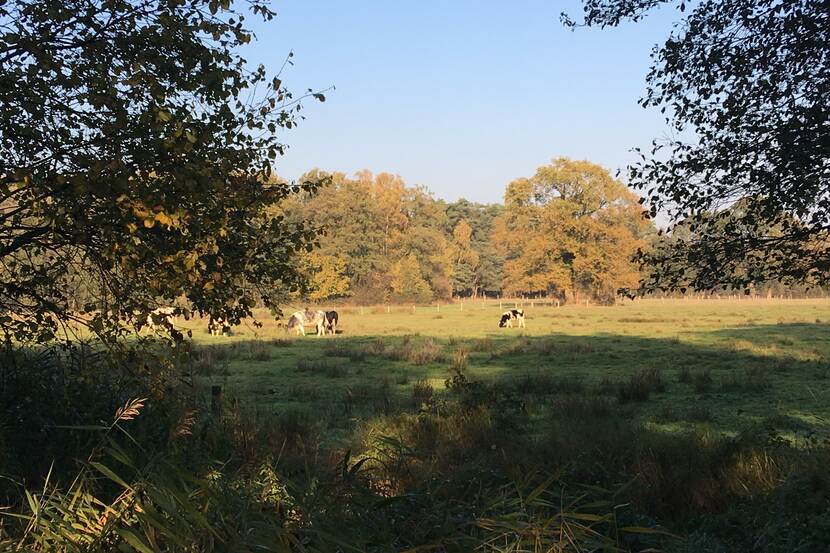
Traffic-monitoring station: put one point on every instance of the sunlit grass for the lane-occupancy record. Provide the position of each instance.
(724, 365)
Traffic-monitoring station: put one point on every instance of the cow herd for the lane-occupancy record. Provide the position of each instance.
(324, 322)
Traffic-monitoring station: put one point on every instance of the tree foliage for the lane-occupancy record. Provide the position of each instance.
(485, 275)
(325, 275)
(745, 85)
(570, 229)
(376, 225)
(137, 146)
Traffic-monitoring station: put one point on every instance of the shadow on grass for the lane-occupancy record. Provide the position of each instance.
(775, 376)
(517, 405)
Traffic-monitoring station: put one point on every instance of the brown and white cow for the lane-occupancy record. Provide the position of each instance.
(301, 319)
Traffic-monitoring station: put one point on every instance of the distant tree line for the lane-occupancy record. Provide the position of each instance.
(568, 232)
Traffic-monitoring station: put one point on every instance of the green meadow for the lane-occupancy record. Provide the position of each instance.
(673, 365)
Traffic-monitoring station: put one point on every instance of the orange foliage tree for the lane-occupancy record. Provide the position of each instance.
(570, 230)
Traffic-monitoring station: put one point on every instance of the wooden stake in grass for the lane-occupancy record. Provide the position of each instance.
(216, 399)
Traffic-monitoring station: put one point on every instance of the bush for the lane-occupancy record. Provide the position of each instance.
(754, 379)
(483, 345)
(702, 381)
(417, 353)
(422, 392)
(341, 350)
(581, 407)
(331, 369)
(460, 358)
(641, 385)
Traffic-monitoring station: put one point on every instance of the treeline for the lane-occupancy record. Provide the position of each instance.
(568, 231)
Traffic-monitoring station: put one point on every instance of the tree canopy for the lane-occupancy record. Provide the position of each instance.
(137, 146)
(570, 229)
(745, 85)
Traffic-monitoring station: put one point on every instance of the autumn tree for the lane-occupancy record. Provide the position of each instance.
(137, 146)
(570, 229)
(375, 224)
(745, 85)
(486, 275)
(325, 275)
(407, 281)
(464, 257)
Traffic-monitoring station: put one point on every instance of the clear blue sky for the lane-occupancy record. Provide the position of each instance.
(461, 96)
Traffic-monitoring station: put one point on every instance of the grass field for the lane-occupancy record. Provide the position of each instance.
(680, 426)
(672, 365)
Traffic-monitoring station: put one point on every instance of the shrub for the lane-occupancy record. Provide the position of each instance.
(376, 347)
(540, 383)
(424, 353)
(574, 406)
(302, 392)
(640, 385)
(702, 381)
(483, 345)
(341, 350)
(255, 350)
(516, 347)
(606, 386)
(699, 413)
(460, 358)
(754, 379)
(322, 366)
(422, 392)
(668, 414)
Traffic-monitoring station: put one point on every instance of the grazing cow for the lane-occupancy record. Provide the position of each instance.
(219, 327)
(161, 317)
(305, 318)
(331, 321)
(508, 317)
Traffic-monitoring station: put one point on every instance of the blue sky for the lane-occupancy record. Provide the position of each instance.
(461, 96)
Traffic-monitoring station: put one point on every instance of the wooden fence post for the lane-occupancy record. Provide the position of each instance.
(216, 399)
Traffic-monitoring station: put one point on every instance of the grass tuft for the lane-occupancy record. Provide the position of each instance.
(641, 385)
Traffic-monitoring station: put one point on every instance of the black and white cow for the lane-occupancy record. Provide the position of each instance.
(508, 317)
(219, 327)
(331, 321)
(161, 317)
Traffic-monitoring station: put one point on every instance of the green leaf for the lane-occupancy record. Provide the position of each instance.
(106, 471)
(131, 538)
